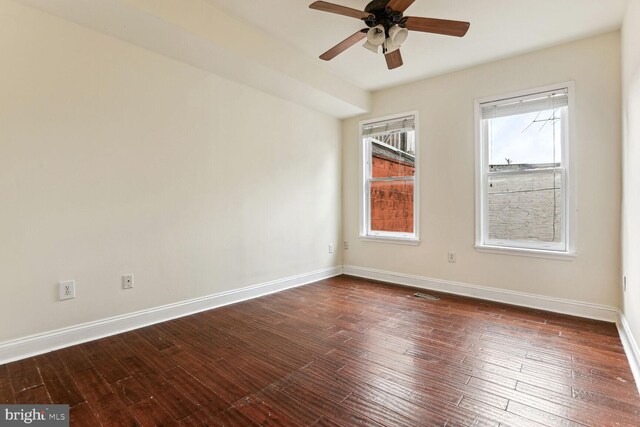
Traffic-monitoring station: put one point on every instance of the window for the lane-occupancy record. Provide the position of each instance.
(389, 179)
(524, 172)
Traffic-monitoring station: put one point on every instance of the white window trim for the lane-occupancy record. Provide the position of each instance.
(568, 151)
(388, 237)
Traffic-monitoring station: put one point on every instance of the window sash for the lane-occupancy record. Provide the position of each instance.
(549, 100)
(486, 174)
(384, 127)
(404, 123)
(382, 233)
(392, 178)
(561, 246)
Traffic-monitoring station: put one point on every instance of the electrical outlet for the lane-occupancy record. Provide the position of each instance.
(127, 281)
(331, 248)
(451, 256)
(624, 283)
(346, 246)
(67, 290)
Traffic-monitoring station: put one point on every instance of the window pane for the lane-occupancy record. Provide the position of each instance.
(392, 206)
(526, 206)
(393, 155)
(389, 163)
(526, 139)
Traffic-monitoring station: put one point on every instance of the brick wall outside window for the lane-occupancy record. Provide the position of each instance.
(391, 202)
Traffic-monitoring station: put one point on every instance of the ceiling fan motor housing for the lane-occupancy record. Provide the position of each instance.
(380, 14)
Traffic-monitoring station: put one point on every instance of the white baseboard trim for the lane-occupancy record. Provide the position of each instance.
(630, 347)
(54, 340)
(556, 305)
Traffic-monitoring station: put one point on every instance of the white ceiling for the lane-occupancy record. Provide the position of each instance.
(499, 28)
(200, 34)
(273, 45)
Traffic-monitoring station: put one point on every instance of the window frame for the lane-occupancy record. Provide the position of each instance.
(366, 233)
(509, 247)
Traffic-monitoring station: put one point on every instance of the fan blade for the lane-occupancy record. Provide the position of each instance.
(343, 45)
(400, 5)
(340, 10)
(394, 59)
(437, 26)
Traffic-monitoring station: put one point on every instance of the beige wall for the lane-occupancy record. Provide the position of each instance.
(446, 108)
(115, 160)
(631, 182)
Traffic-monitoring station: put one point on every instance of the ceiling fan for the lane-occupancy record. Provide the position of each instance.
(387, 27)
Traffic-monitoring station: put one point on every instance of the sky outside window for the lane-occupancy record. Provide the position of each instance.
(508, 138)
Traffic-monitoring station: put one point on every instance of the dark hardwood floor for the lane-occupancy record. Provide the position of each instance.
(343, 351)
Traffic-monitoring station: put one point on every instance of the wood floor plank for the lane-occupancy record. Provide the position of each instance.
(4, 375)
(171, 398)
(325, 422)
(149, 413)
(546, 403)
(83, 416)
(195, 390)
(498, 415)
(219, 383)
(200, 418)
(33, 396)
(232, 418)
(59, 383)
(24, 374)
(420, 402)
(249, 380)
(621, 403)
(263, 414)
(615, 409)
(334, 411)
(150, 354)
(295, 410)
(347, 352)
(108, 408)
(542, 417)
(130, 391)
(109, 367)
(7, 397)
(74, 359)
(155, 337)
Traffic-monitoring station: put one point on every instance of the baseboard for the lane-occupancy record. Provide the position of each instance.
(54, 340)
(630, 347)
(556, 305)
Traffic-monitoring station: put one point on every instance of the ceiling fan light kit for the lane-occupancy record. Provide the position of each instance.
(387, 27)
(376, 35)
(375, 38)
(372, 47)
(398, 34)
(390, 46)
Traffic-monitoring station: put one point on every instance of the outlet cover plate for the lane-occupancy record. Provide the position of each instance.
(67, 290)
(127, 281)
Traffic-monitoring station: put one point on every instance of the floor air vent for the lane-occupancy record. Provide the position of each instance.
(427, 296)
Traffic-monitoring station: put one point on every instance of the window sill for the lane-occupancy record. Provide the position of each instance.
(534, 253)
(392, 240)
